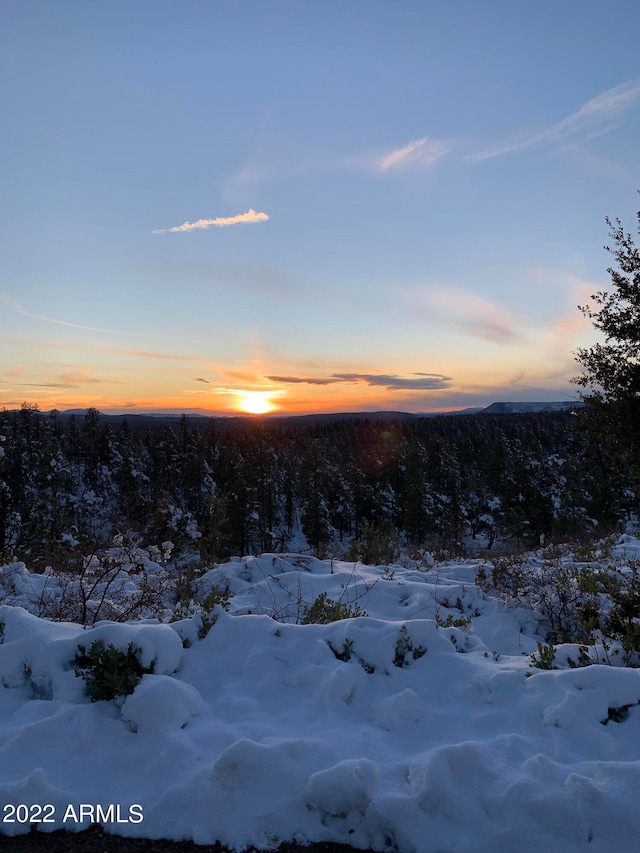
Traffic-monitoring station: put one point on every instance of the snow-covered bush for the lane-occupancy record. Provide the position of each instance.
(324, 610)
(108, 672)
(123, 582)
(594, 603)
(193, 596)
(405, 649)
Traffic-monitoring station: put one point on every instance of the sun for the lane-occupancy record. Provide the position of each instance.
(255, 402)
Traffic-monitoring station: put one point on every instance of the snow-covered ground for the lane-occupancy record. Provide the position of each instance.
(419, 727)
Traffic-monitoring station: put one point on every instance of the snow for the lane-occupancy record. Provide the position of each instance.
(397, 730)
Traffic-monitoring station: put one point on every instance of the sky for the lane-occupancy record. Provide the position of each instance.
(302, 207)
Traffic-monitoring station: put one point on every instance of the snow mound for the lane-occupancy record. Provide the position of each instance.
(420, 726)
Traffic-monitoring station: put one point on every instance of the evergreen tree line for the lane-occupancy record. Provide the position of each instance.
(70, 484)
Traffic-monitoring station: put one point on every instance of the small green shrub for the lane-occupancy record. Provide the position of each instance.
(190, 600)
(545, 657)
(450, 622)
(216, 595)
(348, 653)
(584, 658)
(108, 672)
(404, 646)
(190, 603)
(207, 620)
(345, 653)
(325, 610)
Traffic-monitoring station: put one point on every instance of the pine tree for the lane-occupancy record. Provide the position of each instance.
(611, 370)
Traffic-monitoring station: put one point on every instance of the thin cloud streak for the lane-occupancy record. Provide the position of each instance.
(219, 222)
(17, 307)
(44, 385)
(80, 377)
(135, 353)
(601, 109)
(71, 379)
(419, 152)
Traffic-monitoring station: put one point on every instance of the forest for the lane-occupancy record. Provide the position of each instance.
(73, 485)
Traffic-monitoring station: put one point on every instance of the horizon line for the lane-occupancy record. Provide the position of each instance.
(279, 415)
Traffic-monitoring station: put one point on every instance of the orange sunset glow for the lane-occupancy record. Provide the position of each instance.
(266, 390)
(255, 402)
(346, 251)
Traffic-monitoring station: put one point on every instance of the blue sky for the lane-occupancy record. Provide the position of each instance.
(399, 204)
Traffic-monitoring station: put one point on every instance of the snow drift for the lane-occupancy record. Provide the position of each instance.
(399, 730)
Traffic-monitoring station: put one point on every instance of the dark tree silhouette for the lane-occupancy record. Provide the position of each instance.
(611, 369)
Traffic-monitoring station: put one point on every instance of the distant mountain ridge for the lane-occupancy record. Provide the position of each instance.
(498, 408)
(521, 408)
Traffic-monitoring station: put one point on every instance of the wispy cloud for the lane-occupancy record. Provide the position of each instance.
(595, 117)
(45, 385)
(198, 379)
(219, 222)
(473, 314)
(417, 154)
(423, 152)
(70, 379)
(390, 381)
(163, 356)
(20, 310)
(82, 376)
(134, 353)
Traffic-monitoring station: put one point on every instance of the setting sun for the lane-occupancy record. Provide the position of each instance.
(255, 402)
